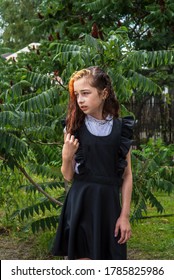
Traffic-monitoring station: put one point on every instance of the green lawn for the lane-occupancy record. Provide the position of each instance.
(153, 238)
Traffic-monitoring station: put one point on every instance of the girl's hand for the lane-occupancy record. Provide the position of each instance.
(123, 226)
(70, 147)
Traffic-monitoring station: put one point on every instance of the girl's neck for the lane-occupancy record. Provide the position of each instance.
(97, 117)
(107, 117)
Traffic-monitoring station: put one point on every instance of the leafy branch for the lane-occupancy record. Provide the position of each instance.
(37, 186)
(24, 172)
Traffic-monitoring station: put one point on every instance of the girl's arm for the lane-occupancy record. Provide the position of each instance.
(126, 190)
(123, 223)
(70, 147)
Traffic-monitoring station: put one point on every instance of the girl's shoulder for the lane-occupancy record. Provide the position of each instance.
(127, 125)
(127, 120)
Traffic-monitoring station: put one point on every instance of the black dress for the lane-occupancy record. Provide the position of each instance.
(92, 206)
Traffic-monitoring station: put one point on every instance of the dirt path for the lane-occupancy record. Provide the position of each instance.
(12, 248)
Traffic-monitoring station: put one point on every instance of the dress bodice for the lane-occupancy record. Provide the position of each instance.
(104, 155)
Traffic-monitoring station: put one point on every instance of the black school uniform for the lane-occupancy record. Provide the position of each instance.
(92, 205)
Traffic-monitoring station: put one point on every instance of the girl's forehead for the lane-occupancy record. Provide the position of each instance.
(82, 82)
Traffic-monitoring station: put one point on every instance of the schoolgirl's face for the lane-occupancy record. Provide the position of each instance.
(88, 98)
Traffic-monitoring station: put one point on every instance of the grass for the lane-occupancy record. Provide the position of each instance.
(153, 237)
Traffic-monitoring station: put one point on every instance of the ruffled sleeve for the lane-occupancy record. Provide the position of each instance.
(125, 141)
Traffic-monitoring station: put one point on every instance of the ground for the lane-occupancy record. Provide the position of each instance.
(14, 248)
(11, 250)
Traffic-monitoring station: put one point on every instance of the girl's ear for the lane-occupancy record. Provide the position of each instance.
(105, 93)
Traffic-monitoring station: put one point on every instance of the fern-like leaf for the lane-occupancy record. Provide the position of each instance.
(50, 185)
(45, 223)
(143, 83)
(43, 100)
(12, 143)
(95, 5)
(39, 80)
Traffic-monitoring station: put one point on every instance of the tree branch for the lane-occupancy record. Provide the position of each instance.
(45, 143)
(157, 216)
(37, 186)
(40, 142)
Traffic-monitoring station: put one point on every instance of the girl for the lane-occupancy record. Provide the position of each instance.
(96, 157)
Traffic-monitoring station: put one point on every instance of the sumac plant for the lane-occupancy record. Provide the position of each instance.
(34, 104)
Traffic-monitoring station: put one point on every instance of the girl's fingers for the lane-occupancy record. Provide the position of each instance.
(76, 142)
(116, 231)
(72, 138)
(68, 136)
(125, 236)
(71, 141)
(122, 237)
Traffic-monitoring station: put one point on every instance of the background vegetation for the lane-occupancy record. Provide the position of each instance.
(133, 42)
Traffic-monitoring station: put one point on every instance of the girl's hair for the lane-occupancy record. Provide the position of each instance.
(99, 80)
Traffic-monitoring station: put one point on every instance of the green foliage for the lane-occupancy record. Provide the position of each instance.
(37, 215)
(33, 89)
(45, 223)
(153, 225)
(31, 131)
(153, 170)
(11, 197)
(15, 21)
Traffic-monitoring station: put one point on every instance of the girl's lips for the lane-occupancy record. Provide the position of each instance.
(83, 108)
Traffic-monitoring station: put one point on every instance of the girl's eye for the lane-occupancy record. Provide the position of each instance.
(82, 94)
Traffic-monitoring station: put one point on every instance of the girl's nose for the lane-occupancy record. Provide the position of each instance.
(80, 99)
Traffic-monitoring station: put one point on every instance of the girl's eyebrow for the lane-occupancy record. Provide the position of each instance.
(82, 90)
